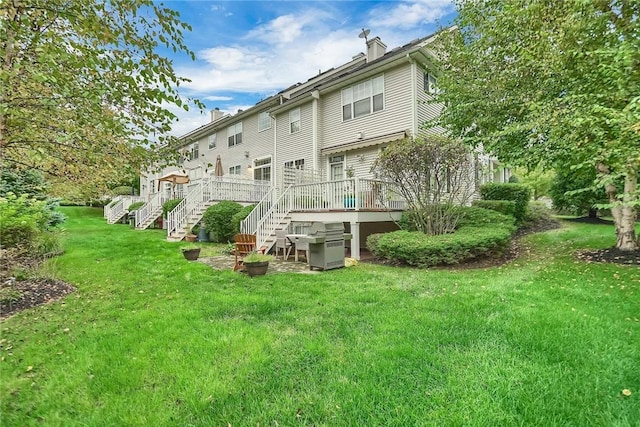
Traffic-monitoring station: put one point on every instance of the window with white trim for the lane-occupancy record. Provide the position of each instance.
(430, 83)
(295, 164)
(262, 169)
(264, 121)
(363, 98)
(235, 170)
(195, 151)
(336, 167)
(234, 134)
(294, 120)
(212, 141)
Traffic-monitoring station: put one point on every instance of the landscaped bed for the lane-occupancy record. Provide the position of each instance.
(151, 339)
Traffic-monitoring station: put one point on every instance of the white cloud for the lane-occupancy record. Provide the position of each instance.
(295, 47)
(288, 49)
(217, 98)
(410, 14)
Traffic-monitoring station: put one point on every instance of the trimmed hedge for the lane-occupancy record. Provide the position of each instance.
(520, 194)
(168, 206)
(135, 206)
(481, 232)
(506, 207)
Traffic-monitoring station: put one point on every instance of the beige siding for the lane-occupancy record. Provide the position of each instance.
(396, 116)
(426, 110)
(298, 145)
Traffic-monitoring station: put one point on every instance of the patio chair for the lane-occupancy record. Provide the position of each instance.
(283, 243)
(244, 245)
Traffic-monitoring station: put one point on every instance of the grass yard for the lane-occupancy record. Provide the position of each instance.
(150, 339)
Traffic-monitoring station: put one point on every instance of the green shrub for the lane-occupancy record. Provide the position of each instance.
(124, 190)
(239, 216)
(217, 219)
(479, 217)
(538, 213)
(169, 205)
(518, 193)
(135, 206)
(506, 207)
(20, 221)
(480, 232)
(421, 250)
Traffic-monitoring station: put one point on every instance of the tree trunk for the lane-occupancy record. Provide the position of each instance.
(624, 215)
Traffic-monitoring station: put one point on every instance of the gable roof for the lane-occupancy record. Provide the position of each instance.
(300, 93)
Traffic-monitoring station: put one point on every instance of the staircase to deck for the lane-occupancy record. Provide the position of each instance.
(150, 211)
(271, 214)
(117, 210)
(206, 193)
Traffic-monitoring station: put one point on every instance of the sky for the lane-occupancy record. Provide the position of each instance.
(247, 51)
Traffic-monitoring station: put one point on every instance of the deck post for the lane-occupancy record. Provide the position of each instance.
(355, 240)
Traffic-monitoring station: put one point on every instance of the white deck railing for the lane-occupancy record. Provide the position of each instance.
(273, 218)
(152, 208)
(212, 190)
(250, 224)
(107, 207)
(178, 218)
(349, 194)
(120, 208)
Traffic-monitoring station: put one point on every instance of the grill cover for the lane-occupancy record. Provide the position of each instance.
(327, 229)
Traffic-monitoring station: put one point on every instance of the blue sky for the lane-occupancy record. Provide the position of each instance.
(249, 50)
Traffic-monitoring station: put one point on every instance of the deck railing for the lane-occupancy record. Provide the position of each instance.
(108, 206)
(250, 224)
(211, 190)
(120, 208)
(273, 218)
(349, 194)
(151, 208)
(178, 218)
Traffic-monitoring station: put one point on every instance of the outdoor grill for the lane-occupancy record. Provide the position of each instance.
(326, 245)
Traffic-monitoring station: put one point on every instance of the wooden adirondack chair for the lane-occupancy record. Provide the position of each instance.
(245, 244)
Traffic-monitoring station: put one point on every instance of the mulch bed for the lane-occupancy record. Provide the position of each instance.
(17, 295)
(23, 294)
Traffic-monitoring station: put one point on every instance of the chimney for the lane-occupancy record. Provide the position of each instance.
(216, 114)
(375, 49)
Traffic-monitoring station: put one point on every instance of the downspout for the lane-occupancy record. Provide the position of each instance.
(274, 160)
(414, 97)
(315, 129)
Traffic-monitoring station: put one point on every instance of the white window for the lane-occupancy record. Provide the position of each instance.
(430, 83)
(235, 170)
(363, 98)
(294, 120)
(264, 121)
(262, 169)
(234, 134)
(336, 168)
(212, 141)
(295, 164)
(194, 151)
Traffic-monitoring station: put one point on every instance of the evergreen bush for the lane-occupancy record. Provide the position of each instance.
(218, 219)
(506, 207)
(480, 232)
(520, 194)
(168, 206)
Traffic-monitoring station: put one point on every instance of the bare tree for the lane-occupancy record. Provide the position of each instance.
(434, 174)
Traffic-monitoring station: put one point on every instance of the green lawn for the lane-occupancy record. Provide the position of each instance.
(150, 339)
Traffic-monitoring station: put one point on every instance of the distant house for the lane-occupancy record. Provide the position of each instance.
(305, 154)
